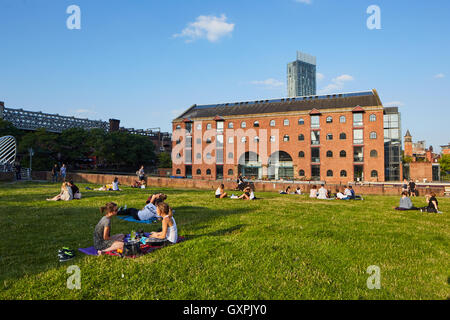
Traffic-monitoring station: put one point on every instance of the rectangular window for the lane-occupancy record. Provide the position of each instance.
(219, 156)
(219, 141)
(315, 155)
(315, 122)
(220, 126)
(188, 142)
(358, 154)
(315, 172)
(358, 136)
(358, 119)
(188, 156)
(188, 127)
(315, 138)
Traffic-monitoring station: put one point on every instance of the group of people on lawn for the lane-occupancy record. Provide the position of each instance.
(155, 208)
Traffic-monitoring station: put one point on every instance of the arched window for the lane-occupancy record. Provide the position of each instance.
(178, 155)
(208, 126)
(286, 138)
(286, 122)
(329, 154)
(199, 155)
(256, 124)
(199, 126)
(208, 140)
(230, 140)
(230, 125)
(343, 136)
(230, 172)
(272, 139)
(244, 139)
(178, 127)
(342, 119)
(301, 121)
(199, 172)
(329, 173)
(301, 173)
(301, 137)
(230, 155)
(343, 154)
(373, 154)
(208, 156)
(256, 139)
(243, 124)
(374, 174)
(208, 172)
(178, 171)
(373, 135)
(329, 136)
(329, 119)
(272, 123)
(373, 118)
(343, 173)
(301, 154)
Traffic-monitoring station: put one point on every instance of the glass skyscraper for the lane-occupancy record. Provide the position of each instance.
(301, 76)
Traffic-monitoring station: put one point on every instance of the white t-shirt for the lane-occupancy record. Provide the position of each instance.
(313, 193)
(218, 193)
(252, 195)
(323, 193)
(347, 192)
(340, 195)
(298, 191)
(115, 186)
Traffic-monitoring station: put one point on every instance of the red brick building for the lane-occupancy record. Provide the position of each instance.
(331, 138)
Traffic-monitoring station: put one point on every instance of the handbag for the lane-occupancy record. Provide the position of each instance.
(131, 248)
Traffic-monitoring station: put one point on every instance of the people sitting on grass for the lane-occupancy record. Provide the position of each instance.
(75, 191)
(340, 195)
(248, 194)
(298, 191)
(322, 194)
(169, 232)
(240, 182)
(103, 241)
(405, 203)
(220, 192)
(65, 194)
(433, 204)
(139, 184)
(286, 191)
(313, 192)
(353, 196)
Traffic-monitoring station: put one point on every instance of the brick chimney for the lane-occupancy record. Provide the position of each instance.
(114, 125)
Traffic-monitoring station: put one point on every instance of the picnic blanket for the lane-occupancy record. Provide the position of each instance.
(145, 248)
(131, 219)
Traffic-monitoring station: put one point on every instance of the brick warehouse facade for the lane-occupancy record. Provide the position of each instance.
(334, 138)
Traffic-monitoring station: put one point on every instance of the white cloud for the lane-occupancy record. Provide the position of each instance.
(270, 83)
(439, 76)
(337, 84)
(320, 76)
(211, 28)
(304, 1)
(394, 104)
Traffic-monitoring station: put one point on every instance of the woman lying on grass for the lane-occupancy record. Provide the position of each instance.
(103, 241)
(65, 194)
(169, 231)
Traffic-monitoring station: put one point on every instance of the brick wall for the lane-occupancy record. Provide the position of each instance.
(420, 171)
(373, 189)
(7, 176)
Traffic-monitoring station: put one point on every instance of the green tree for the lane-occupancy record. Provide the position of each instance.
(164, 160)
(445, 164)
(45, 146)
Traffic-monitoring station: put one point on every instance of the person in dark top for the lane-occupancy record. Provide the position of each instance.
(433, 204)
(75, 190)
(18, 168)
(412, 188)
(55, 172)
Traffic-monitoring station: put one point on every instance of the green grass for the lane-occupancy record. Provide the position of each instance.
(280, 247)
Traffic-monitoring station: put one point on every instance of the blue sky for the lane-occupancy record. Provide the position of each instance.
(144, 62)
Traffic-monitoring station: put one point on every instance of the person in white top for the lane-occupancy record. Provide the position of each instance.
(169, 227)
(313, 192)
(220, 193)
(65, 194)
(323, 193)
(340, 195)
(347, 192)
(115, 184)
(298, 191)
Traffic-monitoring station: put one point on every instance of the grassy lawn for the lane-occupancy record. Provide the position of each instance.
(280, 247)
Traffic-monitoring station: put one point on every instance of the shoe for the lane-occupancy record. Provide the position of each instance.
(66, 251)
(64, 258)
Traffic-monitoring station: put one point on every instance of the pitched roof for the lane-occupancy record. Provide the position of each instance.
(308, 103)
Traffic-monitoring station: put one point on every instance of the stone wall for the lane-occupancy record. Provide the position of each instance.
(364, 189)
